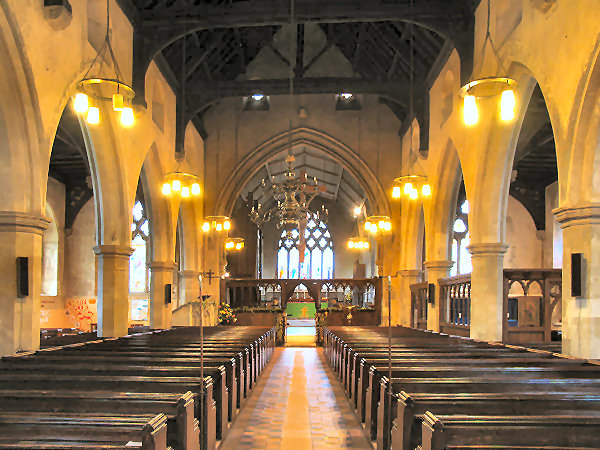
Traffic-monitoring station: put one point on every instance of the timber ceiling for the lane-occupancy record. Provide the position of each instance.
(223, 37)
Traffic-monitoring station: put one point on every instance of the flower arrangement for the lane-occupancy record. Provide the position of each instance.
(226, 315)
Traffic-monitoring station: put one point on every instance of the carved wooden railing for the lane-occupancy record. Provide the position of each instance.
(455, 305)
(419, 294)
(366, 292)
(530, 298)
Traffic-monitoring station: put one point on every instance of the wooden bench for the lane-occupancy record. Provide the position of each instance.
(46, 430)
(556, 432)
(411, 408)
(183, 427)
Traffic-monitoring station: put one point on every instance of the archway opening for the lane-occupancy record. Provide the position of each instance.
(69, 291)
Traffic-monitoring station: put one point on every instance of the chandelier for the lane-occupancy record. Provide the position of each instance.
(489, 87)
(293, 196)
(100, 88)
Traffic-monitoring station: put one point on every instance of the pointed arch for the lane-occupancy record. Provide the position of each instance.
(316, 139)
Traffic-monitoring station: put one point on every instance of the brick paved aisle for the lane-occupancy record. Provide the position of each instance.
(297, 404)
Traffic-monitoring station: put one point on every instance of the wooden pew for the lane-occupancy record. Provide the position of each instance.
(479, 369)
(102, 375)
(464, 384)
(183, 427)
(411, 408)
(141, 378)
(46, 431)
(556, 432)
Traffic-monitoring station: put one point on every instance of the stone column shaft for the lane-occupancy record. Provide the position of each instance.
(189, 287)
(161, 274)
(435, 271)
(581, 315)
(487, 290)
(20, 236)
(113, 289)
(403, 314)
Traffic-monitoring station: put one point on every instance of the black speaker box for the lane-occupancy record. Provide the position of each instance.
(576, 275)
(22, 276)
(167, 294)
(431, 294)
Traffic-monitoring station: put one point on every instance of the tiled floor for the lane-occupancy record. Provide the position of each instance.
(297, 404)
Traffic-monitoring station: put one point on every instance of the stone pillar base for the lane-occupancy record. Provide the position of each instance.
(435, 271)
(487, 290)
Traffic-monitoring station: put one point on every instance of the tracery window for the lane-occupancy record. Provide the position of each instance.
(139, 274)
(318, 253)
(461, 240)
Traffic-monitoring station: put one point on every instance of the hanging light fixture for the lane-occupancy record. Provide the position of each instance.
(94, 87)
(378, 224)
(219, 224)
(178, 182)
(489, 87)
(413, 187)
(182, 184)
(235, 244)
(358, 243)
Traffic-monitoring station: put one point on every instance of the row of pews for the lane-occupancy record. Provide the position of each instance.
(448, 392)
(143, 390)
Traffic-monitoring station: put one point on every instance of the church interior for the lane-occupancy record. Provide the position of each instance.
(294, 224)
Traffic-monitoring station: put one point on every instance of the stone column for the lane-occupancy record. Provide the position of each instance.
(581, 315)
(161, 273)
(213, 262)
(113, 289)
(487, 290)
(189, 287)
(403, 314)
(435, 271)
(20, 236)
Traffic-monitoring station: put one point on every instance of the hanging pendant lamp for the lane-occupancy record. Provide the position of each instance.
(413, 187)
(94, 87)
(489, 87)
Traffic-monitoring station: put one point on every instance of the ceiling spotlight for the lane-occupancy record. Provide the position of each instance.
(357, 210)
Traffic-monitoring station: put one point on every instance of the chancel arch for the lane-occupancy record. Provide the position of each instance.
(321, 142)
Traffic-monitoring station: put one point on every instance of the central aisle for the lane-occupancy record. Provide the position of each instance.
(297, 404)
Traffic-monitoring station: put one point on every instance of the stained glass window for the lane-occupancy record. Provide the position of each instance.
(140, 235)
(318, 260)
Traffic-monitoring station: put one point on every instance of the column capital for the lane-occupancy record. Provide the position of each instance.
(23, 222)
(488, 248)
(166, 266)
(113, 250)
(410, 273)
(584, 214)
(439, 265)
